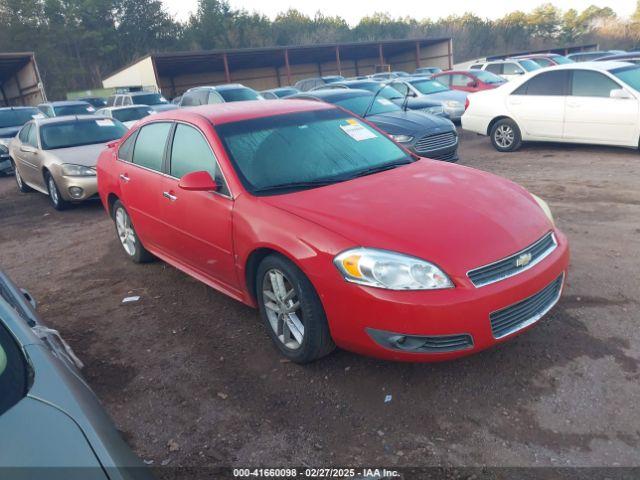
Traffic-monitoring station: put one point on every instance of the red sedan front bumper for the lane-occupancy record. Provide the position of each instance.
(360, 317)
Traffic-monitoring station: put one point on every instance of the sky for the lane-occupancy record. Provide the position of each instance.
(353, 10)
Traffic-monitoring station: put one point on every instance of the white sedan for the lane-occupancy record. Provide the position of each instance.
(128, 114)
(590, 102)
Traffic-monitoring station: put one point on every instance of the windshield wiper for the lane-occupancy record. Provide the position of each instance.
(380, 168)
(298, 185)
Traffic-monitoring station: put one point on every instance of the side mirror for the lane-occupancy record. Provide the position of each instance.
(620, 93)
(472, 84)
(198, 182)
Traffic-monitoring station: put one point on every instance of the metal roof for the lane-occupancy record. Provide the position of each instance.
(174, 63)
(10, 63)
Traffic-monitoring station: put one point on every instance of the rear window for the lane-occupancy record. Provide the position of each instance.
(429, 86)
(488, 77)
(149, 99)
(131, 114)
(239, 94)
(63, 110)
(83, 132)
(17, 118)
(360, 104)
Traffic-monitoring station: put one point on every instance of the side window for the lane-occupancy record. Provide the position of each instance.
(111, 100)
(543, 62)
(191, 152)
(444, 79)
(548, 83)
(117, 101)
(460, 80)
(32, 138)
(511, 69)
(149, 148)
(214, 97)
(494, 68)
(127, 100)
(477, 66)
(125, 152)
(187, 100)
(24, 133)
(586, 83)
(400, 87)
(14, 373)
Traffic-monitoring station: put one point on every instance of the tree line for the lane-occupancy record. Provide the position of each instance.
(78, 42)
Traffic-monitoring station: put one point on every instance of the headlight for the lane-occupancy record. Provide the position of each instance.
(390, 270)
(3, 149)
(433, 110)
(71, 170)
(402, 138)
(544, 206)
(452, 104)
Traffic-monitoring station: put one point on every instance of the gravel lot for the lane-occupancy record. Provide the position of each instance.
(191, 378)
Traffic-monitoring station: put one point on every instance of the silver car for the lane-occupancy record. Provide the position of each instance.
(52, 424)
(453, 101)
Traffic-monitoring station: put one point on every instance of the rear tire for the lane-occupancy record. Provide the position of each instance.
(127, 235)
(505, 135)
(56, 199)
(23, 187)
(291, 310)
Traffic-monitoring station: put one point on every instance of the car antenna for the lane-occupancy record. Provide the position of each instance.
(366, 112)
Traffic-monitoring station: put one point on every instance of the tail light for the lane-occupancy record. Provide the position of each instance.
(466, 104)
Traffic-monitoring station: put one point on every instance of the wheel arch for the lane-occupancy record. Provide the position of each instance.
(497, 119)
(112, 198)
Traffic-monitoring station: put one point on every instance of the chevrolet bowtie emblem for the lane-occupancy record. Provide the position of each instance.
(523, 260)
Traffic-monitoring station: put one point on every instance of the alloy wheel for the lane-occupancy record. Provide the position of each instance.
(504, 136)
(283, 310)
(19, 180)
(126, 234)
(53, 190)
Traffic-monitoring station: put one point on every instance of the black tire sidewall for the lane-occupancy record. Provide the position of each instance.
(62, 203)
(141, 254)
(517, 137)
(23, 187)
(317, 340)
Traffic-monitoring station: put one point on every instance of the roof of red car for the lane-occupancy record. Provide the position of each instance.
(236, 111)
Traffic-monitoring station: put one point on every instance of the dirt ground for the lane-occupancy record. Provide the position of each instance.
(191, 378)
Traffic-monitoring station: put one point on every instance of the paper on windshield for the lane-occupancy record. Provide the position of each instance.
(105, 123)
(357, 131)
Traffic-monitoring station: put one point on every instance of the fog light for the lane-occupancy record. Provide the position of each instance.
(76, 192)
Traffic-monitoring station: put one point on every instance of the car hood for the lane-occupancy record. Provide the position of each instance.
(410, 123)
(457, 217)
(86, 155)
(457, 95)
(9, 132)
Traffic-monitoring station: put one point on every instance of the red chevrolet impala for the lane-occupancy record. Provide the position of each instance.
(337, 234)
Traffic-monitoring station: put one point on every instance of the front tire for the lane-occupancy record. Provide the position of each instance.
(127, 235)
(505, 135)
(56, 199)
(291, 310)
(23, 187)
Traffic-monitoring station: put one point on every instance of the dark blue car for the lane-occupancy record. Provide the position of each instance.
(424, 134)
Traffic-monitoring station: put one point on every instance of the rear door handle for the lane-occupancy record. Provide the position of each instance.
(123, 177)
(168, 195)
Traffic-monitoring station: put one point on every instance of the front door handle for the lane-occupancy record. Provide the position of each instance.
(168, 195)
(124, 177)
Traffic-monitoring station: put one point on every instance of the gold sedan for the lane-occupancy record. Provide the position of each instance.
(57, 156)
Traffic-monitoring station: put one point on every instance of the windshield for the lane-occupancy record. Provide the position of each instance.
(529, 65)
(359, 105)
(239, 94)
(562, 59)
(428, 87)
(629, 75)
(333, 79)
(386, 92)
(294, 151)
(18, 117)
(83, 132)
(131, 114)
(488, 77)
(285, 92)
(149, 99)
(80, 109)
(96, 101)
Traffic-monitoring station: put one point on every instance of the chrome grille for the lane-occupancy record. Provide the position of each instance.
(514, 264)
(429, 143)
(527, 312)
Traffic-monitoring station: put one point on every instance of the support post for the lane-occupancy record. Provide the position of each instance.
(418, 55)
(338, 60)
(380, 54)
(227, 73)
(287, 66)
